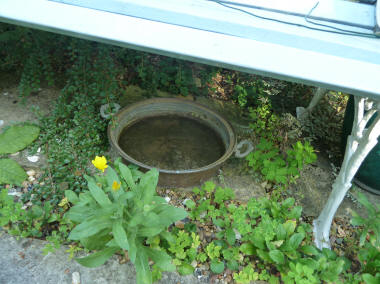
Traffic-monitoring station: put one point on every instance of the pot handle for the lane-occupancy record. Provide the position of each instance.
(105, 108)
(239, 147)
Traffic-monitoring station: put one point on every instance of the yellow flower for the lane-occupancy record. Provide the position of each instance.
(63, 202)
(100, 163)
(116, 185)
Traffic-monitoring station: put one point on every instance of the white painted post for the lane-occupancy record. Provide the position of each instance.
(359, 144)
(302, 112)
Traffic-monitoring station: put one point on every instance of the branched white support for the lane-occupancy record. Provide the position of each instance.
(302, 113)
(359, 144)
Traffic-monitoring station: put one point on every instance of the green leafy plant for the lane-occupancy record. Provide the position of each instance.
(12, 140)
(246, 90)
(118, 214)
(369, 242)
(300, 155)
(211, 203)
(268, 160)
(20, 222)
(185, 250)
(270, 233)
(247, 275)
(213, 252)
(264, 121)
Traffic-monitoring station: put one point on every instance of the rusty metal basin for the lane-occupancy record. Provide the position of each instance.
(180, 107)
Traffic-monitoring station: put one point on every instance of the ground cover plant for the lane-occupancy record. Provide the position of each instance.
(101, 213)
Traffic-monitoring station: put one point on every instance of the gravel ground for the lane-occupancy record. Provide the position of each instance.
(22, 262)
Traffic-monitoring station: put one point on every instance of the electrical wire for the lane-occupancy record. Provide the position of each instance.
(336, 31)
(328, 26)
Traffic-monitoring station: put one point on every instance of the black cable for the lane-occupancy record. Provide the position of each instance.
(344, 32)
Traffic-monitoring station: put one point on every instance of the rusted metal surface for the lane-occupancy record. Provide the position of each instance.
(174, 106)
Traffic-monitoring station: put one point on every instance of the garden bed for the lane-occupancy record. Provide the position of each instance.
(251, 222)
(311, 191)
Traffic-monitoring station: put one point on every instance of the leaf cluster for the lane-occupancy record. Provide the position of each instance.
(369, 242)
(127, 219)
(20, 222)
(268, 160)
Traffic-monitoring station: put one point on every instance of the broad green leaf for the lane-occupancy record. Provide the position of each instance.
(363, 236)
(132, 252)
(274, 280)
(233, 265)
(369, 279)
(37, 212)
(247, 248)
(86, 198)
(151, 220)
(71, 196)
(159, 200)
(125, 196)
(190, 204)
(185, 269)
(150, 231)
(90, 227)
(90, 178)
(277, 256)
(216, 266)
(209, 186)
(99, 195)
(230, 236)
(17, 137)
(127, 175)
(281, 232)
(288, 202)
(79, 213)
(148, 184)
(167, 236)
(289, 227)
(263, 255)
(295, 240)
(331, 274)
(53, 217)
(218, 222)
(309, 262)
(98, 258)
(295, 213)
(357, 220)
(309, 250)
(111, 243)
(368, 205)
(120, 235)
(330, 254)
(143, 273)
(11, 172)
(98, 241)
(171, 214)
(257, 239)
(160, 258)
(136, 220)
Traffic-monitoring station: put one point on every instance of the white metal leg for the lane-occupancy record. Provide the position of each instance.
(302, 113)
(359, 144)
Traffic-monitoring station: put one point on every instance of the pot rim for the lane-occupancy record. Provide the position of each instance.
(228, 152)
